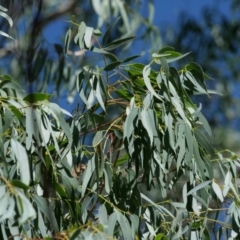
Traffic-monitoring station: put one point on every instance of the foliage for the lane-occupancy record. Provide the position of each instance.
(36, 58)
(81, 175)
(213, 42)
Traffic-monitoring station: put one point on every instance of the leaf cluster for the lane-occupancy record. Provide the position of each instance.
(80, 175)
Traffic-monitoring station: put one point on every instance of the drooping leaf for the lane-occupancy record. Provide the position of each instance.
(111, 224)
(67, 40)
(25, 207)
(203, 141)
(198, 187)
(146, 77)
(22, 159)
(218, 191)
(125, 226)
(47, 211)
(102, 214)
(148, 121)
(88, 36)
(4, 15)
(88, 173)
(79, 38)
(65, 127)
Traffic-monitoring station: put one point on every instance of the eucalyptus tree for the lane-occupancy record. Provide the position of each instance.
(81, 175)
(214, 45)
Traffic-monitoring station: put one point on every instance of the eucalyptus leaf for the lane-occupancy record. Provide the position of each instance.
(22, 159)
(146, 77)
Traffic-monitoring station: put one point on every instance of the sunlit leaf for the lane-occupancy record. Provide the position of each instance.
(4, 15)
(146, 77)
(22, 159)
(218, 191)
(88, 36)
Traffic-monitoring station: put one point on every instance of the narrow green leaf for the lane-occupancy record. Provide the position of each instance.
(146, 74)
(117, 43)
(148, 121)
(3, 9)
(165, 49)
(67, 40)
(197, 73)
(124, 93)
(198, 187)
(60, 190)
(108, 177)
(217, 191)
(173, 59)
(159, 207)
(200, 200)
(129, 123)
(157, 55)
(4, 15)
(47, 211)
(98, 92)
(6, 82)
(130, 58)
(75, 234)
(102, 215)
(205, 123)
(111, 224)
(181, 153)
(25, 208)
(37, 97)
(178, 105)
(165, 67)
(159, 236)
(22, 158)
(112, 57)
(181, 216)
(125, 226)
(108, 32)
(134, 223)
(203, 141)
(122, 160)
(85, 206)
(81, 33)
(65, 127)
(31, 129)
(87, 174)
(111, 66)
(88, 36)
(197, 86)
(97, 138)
(19, 184)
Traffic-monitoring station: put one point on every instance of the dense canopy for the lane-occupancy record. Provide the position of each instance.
(133, 160)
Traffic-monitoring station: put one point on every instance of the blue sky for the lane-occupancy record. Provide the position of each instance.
(166, 12)
(169, 10)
